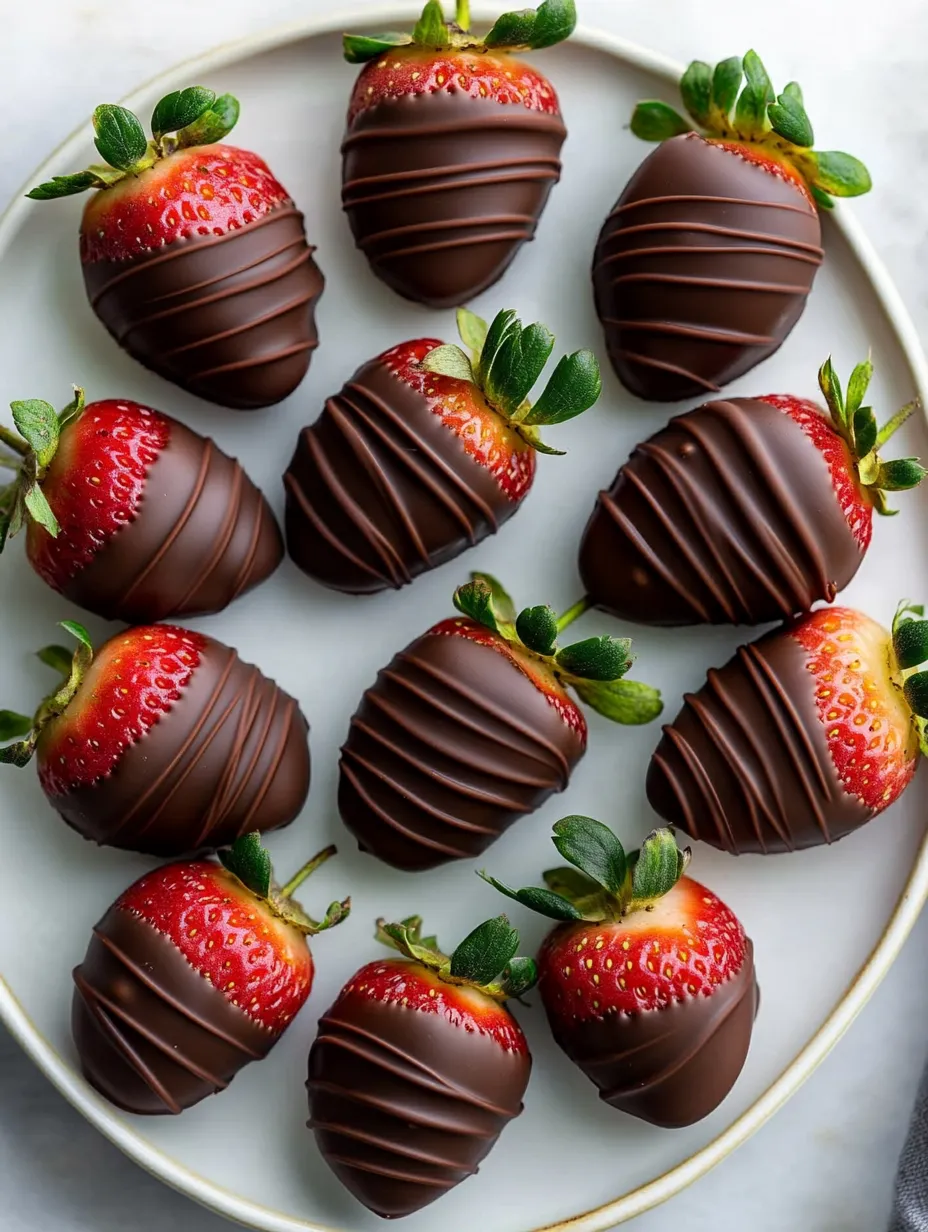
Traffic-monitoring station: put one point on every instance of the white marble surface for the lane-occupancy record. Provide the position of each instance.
(826, 1162)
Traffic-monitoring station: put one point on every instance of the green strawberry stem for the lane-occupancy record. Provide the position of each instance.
(14, 442)
(910, 647)
(462, 15)
(20, 753)
(290, 888)
(573, 613)
(249, 861)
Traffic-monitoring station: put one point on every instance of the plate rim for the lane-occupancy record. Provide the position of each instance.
(914, 894)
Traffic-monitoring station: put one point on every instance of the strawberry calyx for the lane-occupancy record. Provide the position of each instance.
(594, 668)
(526, 30)
(505, 362)
(73, 667)
(40, 427)
(249, 861)
(857, 425)
(191, 117)
(910, 649)
(486, 959)
(602, 882)
(773, 125)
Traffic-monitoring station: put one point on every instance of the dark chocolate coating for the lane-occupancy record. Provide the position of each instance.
(448, 748)
(671, 1066)
(203, 535)
(380, 490)
(405, 1105)
(745, 765)
(228, 317)
(153, 1036)
(441, 190)
(702, 269)
(229, 757)
(726, 516)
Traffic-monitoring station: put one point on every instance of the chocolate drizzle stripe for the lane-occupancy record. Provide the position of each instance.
(384, 1143)
(784, 246)
(675, 251)
(688, 330)
(477, 119)
(663, 365)
(372, 1101)
(427, 173)
(260, 361)
(222, 335)
(704, 199)
(397, 1174)
(458, 241)
(299, 494)
(428, 189)
(423, 228)
(727, 284)
(250, 557)
(242, 268)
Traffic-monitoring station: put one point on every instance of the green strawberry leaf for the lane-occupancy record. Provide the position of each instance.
(58, 658)
(20, 753)
(726, 83)
(857, 388)
(821, 198)
(592, 847)
(910, 643)
(597, 658)
(73, 410)
(893, 425)
(532, 29)
(473, 331)
(537, 628)
(485, 952)
(406, 936)
(865, 431)
(543, 901)
(571, 884)
(485, 600)
(794, 91)
(449, 360)
(629, 702)
(900, 475)
(13, 726)
(520, 976)
(574, 387)
(213, 125)
(657, 870)
(359, 48)
(65, 186)
(788, 119)
(37, 423)
(180, 108)
(431, 30)
(830, 386)
(516, 367)
(653, 120)
(838, 174)
(503, 324)
(696, 91)
(916, 694)
(39, 509)
(249, 861)
(120, 138)
(751, 109)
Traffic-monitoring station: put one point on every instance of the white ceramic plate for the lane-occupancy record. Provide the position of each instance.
(826, 924)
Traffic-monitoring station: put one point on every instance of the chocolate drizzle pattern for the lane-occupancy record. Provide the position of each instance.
(726, 516)
(696, 285)
(202, 535)
(671, 1066)
(745, 765)
(379, 490)
(449, 747)
(153, 1036)
(229, 757)
(441, 190)
(405, 1105)
(229, 318)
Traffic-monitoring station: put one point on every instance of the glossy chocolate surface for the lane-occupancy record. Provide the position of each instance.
(726, 516)
(405, 1105)
(449, 747)
(671, 1066)
(230, 756)
(379, 490)
(153, 1036)
(441, 190)
(203, 535)
(227, 317)
(702, 269)
(745, 765)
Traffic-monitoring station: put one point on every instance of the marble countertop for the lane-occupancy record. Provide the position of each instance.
(826, 1161)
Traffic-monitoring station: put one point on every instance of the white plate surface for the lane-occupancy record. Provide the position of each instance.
(826, 924)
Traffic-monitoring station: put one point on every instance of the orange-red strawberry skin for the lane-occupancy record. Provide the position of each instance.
(406, 71)
(852, 497)
(528, 664)
(462, 408)
(398, 981)
(763, 157)
(134, 679)
(870, 730)
(687, 946)
(229, 936)
(206, 190)
(94, 484)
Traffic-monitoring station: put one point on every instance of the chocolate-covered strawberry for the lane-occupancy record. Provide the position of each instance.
(419, 1066)
(426, 451)
(193, 254)
(472, 726)
(744, 510)
(648, 979)
(451, 149)
(131, 514)
(704, 265)
(163, 742)
(196, 970)
(801, 738)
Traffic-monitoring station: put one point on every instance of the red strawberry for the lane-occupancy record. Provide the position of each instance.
(193, 254)
(164, 742)
(472, 726)
(132, 515)
(451, 149)
(801, 738)
(744, 510)
(419, 1065)
(194, 971)
(426, 451)
(649, 981)
(704, 265)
